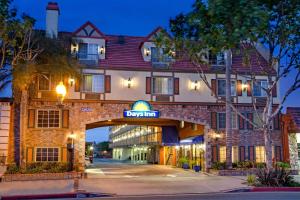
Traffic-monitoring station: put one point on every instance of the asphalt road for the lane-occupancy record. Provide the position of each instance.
(217, 196)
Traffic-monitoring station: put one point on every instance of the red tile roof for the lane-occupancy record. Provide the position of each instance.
(128, 55)
(294, 112)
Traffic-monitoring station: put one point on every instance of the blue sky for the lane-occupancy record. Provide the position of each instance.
(120, 17)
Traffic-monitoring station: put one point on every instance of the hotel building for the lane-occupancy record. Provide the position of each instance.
(119, 70)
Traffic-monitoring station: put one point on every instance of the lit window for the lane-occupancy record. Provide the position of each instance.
(93, 83)
(222, 150)
(260, 154)
(48, 119)
(235, 154)
(163, 85)
(222, 87)
(259, 88)
(46, 155)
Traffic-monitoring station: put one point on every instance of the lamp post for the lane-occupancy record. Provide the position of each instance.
(70, 147)
(91, 153)
(61, 92)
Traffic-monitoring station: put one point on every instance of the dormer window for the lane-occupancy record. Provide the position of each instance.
(216, 59)
(159, 58)
(88, 53)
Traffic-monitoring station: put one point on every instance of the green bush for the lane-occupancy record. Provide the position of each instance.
(38, 167)
(219, 165)
(251, 179)
(12, 169)
(245, 164)
(283, 165)
(260, 165)
(235, 165)
(274, 177)
(183, 160)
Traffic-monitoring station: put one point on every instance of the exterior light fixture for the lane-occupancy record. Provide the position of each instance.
(194, 127)
(128, 83)
(71, 81)
(195, 85)
(61, 91)
(181, 124)
(147, 52)
(217, 136)
(244, 87)
(102, 50)
(91, 148)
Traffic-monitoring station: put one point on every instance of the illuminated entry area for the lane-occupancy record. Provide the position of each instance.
(141, 109)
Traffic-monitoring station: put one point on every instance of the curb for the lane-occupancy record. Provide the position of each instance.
(275, 189)
(56, 196)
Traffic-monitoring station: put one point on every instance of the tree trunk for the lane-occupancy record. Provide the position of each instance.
(268, 148)
(16, 127)
(228, 57)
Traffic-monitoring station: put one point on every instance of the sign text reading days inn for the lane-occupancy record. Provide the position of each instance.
(141, 109)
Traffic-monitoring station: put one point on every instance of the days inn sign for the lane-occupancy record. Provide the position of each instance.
(141, 109)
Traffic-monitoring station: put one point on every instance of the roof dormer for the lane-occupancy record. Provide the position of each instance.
(154, 54)
(88, 44)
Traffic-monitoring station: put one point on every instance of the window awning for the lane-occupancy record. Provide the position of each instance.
(193, 140)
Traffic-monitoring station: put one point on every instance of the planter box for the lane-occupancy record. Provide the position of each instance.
(42, 176)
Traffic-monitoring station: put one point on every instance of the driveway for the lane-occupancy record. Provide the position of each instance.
(129, 179)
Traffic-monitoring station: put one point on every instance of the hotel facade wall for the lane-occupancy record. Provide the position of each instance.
(101, 111)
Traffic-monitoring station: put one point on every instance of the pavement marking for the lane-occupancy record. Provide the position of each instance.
(171, 175)
(129, 176)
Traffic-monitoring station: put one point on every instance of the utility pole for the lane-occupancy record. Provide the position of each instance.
(228, 63)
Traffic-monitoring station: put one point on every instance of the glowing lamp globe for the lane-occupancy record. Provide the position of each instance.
(61, 89)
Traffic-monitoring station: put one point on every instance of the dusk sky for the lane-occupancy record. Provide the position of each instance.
(120, 17)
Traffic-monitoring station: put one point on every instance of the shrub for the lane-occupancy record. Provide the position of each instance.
(183, 160)
(245, 164)
(219, 165)
(283, 165)
(251, 179)
(274, 177)
(260, 165)
(234, 165)
(12, 169)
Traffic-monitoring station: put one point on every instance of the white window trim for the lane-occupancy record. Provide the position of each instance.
(152, 85)
(221, 95)
(59, 153)
(36, 119)
(91, 92)
(261, 90)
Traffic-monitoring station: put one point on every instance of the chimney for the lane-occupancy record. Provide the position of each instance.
(52, 13)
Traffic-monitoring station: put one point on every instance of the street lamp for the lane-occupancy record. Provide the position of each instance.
(61, 91)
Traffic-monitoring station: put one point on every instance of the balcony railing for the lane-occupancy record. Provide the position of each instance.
(88, 59)
(162, 62)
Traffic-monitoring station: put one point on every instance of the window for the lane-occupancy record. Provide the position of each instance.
(48, 119)
(221, 120)
(260, 154)
(46, 155)
(158, 55)
(93, 83)
(88, 51)
(257, 119)
(216, 59)
(235, 154)
(233, 120)
(163, 85)
(222, 150)
(298, 148)
(44, 82)
(259, 88)
(222, 87)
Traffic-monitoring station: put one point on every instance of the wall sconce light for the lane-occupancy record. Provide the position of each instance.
(147, 52)
(181, 124)
(217, 136)
(194, 127)
(71, 81)
(195, 85)
(102, 50)
(244, 87)
(128, 83)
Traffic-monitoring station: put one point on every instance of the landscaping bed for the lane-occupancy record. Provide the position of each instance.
(42, 176)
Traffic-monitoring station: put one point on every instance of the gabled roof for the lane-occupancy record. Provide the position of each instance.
(88, 30)
(294, 113)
